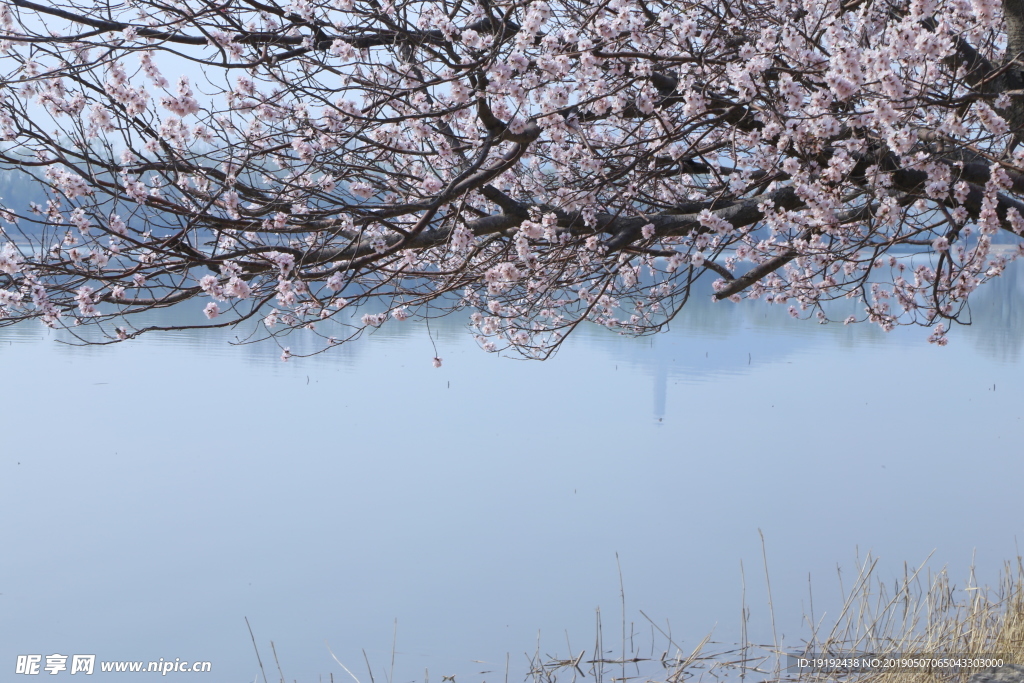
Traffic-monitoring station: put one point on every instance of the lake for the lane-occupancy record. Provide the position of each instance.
(157, 493)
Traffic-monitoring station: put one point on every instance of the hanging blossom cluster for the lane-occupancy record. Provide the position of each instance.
(332, 167)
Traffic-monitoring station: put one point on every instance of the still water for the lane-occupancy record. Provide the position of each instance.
(155, 494)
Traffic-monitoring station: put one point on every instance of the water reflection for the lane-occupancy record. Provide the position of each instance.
(711, 339)
(707, 340)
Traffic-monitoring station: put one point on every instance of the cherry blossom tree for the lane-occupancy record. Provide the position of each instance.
(333, 166)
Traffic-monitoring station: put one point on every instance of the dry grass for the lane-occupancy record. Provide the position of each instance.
(920, 614)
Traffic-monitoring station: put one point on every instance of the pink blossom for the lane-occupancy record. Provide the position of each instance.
(71, 184)
(336, 282)
(361, 190)
(10, 259)
(238, 288)
(431, 185)
(86, 304)
(135, 189)
(210, 285)
(342, 49)
(938, 335)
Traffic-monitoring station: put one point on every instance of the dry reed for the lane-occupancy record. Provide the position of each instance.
(918, 615)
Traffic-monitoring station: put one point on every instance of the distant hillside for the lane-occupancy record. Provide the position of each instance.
(18, 188)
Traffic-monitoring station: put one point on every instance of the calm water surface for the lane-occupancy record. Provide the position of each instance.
(155, 494)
